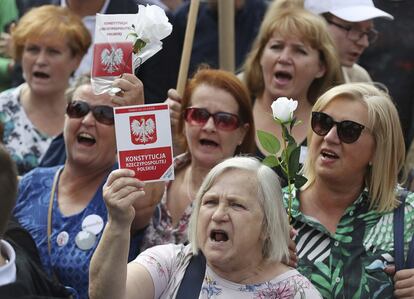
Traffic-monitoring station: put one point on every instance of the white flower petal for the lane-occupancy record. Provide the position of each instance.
(283, 109)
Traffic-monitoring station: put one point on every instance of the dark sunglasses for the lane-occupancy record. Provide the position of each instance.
(222, 120)
(348, 130)
(103, 114)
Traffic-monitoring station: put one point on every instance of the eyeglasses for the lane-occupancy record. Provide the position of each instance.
(103, 114)
(222, 120)
(355, 34)
(348, 130)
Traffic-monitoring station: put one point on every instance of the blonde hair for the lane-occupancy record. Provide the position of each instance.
(269, 195)
(51, 20)
(289, 20)
(381, 178)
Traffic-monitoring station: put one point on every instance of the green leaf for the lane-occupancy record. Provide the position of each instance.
(285, 131)
(269, 142)
(270, 161)
(290, 140)
(294, 162)
(292, 124)
(138, 45)
(300, 181)
(291, 148)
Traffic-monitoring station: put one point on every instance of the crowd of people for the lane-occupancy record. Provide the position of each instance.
(75, 225)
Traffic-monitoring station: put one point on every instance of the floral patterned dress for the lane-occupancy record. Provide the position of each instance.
(160, 229)
(23, 140)
(168, 263)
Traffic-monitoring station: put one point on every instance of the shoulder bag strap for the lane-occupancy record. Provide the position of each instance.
(190, 286)
(399, 233)
(50, 209)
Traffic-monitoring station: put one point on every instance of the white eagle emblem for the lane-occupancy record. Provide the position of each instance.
(143, 130)
(111, 59)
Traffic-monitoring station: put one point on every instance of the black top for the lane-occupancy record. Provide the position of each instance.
(31, 280)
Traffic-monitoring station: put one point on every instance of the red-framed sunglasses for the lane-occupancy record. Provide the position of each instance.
(222, 120)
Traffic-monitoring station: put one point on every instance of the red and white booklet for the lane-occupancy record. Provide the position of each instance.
(112, 51)
(124, 41)
(143, 138)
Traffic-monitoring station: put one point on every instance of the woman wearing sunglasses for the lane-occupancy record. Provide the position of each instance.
(216, 123)
(344, 213)
(293, 56)
(63, 207)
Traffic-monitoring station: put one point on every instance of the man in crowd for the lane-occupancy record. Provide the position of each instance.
(352, 29)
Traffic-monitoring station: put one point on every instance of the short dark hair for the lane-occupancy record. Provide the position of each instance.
(8, 187)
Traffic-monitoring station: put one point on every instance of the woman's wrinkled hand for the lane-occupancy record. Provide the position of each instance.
(131, 93)
(120, 192)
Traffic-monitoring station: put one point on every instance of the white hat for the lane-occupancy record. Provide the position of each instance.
(348, 10)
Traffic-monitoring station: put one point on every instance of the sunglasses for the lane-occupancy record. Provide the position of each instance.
(222, 120)
(348, 130)
(103, 114)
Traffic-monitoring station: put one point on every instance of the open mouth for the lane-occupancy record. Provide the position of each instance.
(219, 236)
(41, 75)
(86, 139)
(283, 76)
(329, 155)
(208, 142)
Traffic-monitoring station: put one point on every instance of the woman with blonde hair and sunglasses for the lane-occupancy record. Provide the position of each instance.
(344, 213)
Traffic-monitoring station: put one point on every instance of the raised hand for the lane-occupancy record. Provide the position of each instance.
(131, 93)
(120, 192)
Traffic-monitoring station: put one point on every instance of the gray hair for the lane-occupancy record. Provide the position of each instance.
(269, 195)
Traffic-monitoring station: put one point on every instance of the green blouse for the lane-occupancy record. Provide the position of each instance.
(350, 262)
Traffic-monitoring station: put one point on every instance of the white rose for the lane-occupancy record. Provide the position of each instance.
(283, 109)
(152, 23)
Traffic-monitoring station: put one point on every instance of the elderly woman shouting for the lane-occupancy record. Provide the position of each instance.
(242, 261)
(344, 213)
